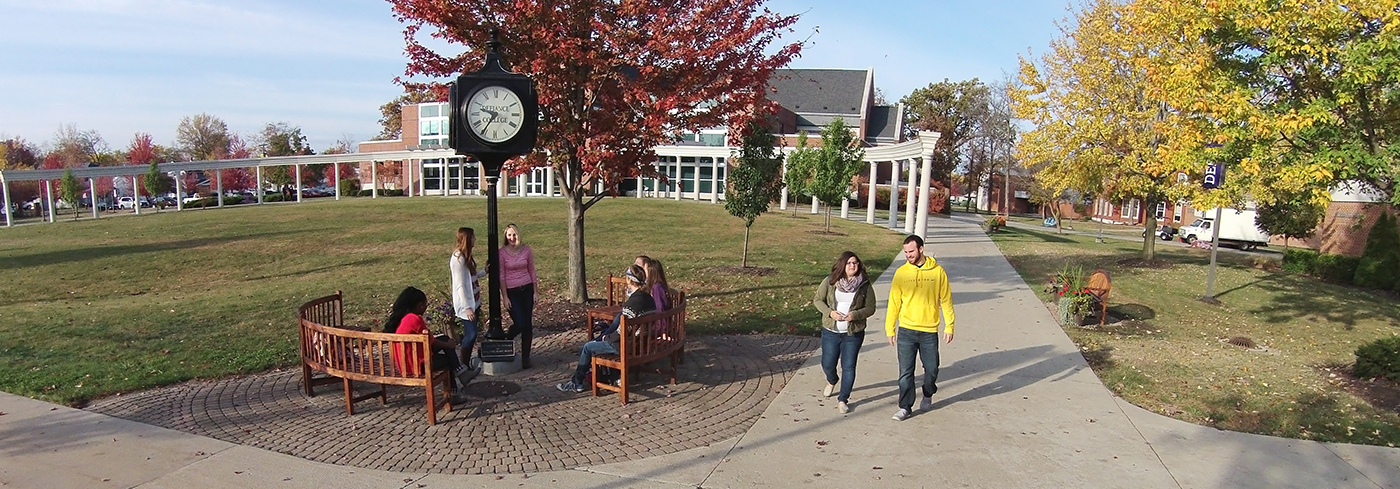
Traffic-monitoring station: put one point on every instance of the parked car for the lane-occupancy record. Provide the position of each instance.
(1165, 232)
(126, 203)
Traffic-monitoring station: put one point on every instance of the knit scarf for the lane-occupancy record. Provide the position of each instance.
(850, 284)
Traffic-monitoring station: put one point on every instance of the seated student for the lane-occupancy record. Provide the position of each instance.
(656, 283)
(406, 317)
(639, 302)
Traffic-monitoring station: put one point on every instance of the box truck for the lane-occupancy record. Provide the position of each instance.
(1236, 228)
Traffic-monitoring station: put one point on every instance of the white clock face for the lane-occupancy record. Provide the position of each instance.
(494, 114)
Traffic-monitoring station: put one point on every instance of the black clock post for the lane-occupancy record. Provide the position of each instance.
(495, 117)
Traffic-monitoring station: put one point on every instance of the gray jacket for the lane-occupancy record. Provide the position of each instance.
(862, 307)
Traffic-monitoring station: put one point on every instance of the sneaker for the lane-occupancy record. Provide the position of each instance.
(926, 404)
(901, 414)
(828, 390)
(843, 408)
(570, 386)
(465, 375)
(458, 397)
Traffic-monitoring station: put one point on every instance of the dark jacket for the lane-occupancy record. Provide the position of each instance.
(862, 307)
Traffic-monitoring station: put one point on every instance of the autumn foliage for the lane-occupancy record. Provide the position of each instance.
(615, 79)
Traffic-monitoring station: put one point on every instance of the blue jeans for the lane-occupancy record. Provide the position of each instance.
(469, 330)
(908, 343)
(585, 359)
(846, 346)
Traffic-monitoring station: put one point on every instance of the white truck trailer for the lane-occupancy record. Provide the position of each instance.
(1236, 228)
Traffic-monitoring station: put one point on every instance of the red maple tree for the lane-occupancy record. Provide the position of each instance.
(615, 79)
(142, 151)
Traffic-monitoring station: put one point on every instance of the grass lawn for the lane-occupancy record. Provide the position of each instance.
(125, 303)
(1167, 354)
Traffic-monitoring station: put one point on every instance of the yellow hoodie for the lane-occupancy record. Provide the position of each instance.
(917, 294)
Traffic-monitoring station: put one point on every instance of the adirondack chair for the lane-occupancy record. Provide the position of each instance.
(1098, 286)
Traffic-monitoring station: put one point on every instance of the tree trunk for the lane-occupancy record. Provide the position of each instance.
(576, 277)
(1149, 247)
(744, 263)
(828, 219)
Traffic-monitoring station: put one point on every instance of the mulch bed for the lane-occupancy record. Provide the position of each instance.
(1381, 393)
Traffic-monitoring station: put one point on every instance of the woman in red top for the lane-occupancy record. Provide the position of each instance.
(519, 279)
(406, 317)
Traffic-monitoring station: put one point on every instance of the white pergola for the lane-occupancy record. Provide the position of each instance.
(910, 153)
(136, 171)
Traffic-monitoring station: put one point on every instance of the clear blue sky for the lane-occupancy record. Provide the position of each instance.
(125, 66)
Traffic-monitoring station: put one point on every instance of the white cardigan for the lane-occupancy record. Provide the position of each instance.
(464, 285)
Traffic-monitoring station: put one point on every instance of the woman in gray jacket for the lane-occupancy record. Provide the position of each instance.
(845, 299)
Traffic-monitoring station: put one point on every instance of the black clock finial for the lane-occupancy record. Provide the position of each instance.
(494, 61)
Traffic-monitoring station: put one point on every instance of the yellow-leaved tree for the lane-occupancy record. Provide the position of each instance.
(1301, 94)
(1098, 127)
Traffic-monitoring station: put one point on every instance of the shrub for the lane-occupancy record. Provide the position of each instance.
(272, 198)
(1380, 358)
(364, 192)
(1297, 260)
(350, 187)
(233, 200)
(1380, 263)
(391, 192)
(1334, 268)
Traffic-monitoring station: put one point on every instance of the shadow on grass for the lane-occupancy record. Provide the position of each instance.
(1048, 237)
(100, 252)
(1131, 311)
(1302, 297)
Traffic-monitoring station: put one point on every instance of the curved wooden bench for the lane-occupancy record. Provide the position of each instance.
(346, 355)
(642, 340)
(1098, 286)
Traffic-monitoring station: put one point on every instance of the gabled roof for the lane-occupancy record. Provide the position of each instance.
(822, 91)
(883, 125)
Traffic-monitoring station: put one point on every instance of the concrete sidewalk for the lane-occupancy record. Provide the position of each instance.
(1017, 407)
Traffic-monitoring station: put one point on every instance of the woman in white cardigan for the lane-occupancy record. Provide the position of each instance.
(466, 291)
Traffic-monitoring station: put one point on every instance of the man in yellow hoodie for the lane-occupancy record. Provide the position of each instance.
(918, 294)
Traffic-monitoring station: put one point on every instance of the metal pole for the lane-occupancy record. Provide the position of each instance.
(1214, 249)
(493, 266)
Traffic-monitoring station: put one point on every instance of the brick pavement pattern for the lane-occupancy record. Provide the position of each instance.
(724, 385)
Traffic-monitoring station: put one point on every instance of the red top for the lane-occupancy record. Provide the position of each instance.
(413, 364)
(518, 269)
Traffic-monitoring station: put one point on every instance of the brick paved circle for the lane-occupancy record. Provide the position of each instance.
(724, 385)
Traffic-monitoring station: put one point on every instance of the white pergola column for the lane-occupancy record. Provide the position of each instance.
(462, 176)
(219, 184)
(639, 187)
(295, 168)
(870, 199)
(520, 181)
(92, 190)
(549, 181)
(135, 196)
(895, 168)
(782, 203)
(815, 203)
(374, 179)
(921, 226)
(335, 170)
(261, 189)
(9, 220)
(677, 182)
(846, 207)
(910, 198)
(180, 191)
(714, 181)
(48, 198)
(408, 186)
(500, 185)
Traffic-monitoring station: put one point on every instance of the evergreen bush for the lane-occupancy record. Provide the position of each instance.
(1298, 260)
(1334, 268)
(350, 187)
(1380, 263)
(1380, 358)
